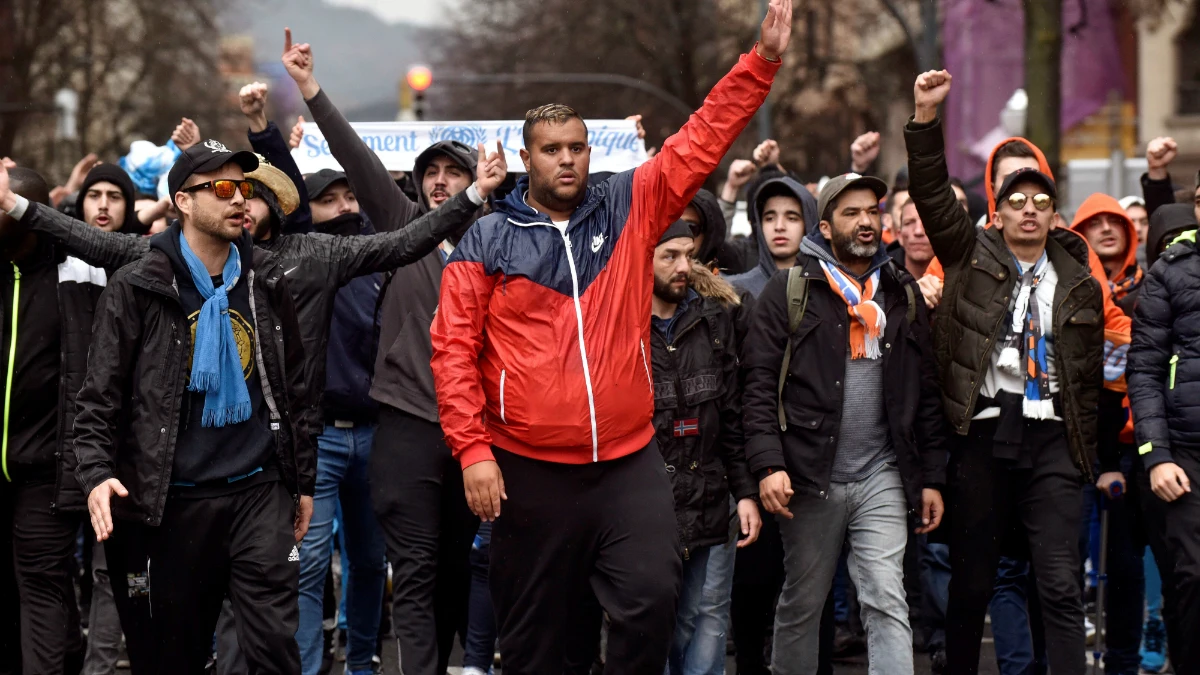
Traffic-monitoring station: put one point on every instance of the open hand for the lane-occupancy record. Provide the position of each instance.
(491, 170)
(298, 61)
(750, 521)
(863, 151)
(485, 488)
(99, 506)
(80, 172)
(1160, 152)
(775, 491)
(930, 89)
(932, 510)
(304, 511)
(776, 30)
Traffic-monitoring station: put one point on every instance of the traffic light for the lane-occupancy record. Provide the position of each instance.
(419, 78)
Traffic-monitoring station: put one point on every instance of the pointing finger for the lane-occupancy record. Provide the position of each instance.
(287, 40)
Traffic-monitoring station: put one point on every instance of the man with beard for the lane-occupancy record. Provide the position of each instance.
(856, 465)
(559, 438)
(48, 300)
(195, 456)
(698, 426)
(427, 527)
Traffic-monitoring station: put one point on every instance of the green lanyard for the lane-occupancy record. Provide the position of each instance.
(12, 358)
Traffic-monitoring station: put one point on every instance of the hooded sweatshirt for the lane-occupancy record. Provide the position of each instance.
(117, 176)
(754, 280)
(1130, 276)
(1167, 222)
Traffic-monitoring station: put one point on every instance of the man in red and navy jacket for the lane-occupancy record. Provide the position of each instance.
(542, 367)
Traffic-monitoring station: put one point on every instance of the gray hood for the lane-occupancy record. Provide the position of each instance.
(755, 279)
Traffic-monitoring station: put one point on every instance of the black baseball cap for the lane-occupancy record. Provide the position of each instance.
(317, 183)
(1026, 175)
(206, 156)
(839, 184)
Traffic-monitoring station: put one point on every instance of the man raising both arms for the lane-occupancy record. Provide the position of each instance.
(539, 354)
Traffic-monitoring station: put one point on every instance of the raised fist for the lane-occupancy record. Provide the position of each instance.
(186, 134)
(297, 134)
(929, 91)
(253, 98)
(1160, 152)
(766, 153)
(863, 151)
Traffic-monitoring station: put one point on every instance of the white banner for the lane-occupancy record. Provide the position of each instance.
(615, 145)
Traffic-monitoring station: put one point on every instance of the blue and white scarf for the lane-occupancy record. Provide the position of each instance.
(1026, 338)
(216, 366)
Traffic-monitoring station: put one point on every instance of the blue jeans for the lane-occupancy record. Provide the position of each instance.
(1010, 612)
(706, 653)
(689, 647)
(342, 456)
(935, 588)
(480, 649)
(1154, 596)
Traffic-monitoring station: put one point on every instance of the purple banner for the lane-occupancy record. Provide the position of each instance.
(984, 41)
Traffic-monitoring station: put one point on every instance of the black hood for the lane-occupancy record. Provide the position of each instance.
(770, 188)
(712, 225)
(462, 155)
(1168, 221)
(167, 241)
(117, 176)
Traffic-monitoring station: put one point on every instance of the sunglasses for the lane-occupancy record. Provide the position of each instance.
(1041, 201)
(225, 188)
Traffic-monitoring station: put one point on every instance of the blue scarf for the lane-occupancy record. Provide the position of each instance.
(216, 366)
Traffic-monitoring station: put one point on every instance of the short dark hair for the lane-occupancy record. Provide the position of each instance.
(551, 113)
(29, 184)
(1011, 149)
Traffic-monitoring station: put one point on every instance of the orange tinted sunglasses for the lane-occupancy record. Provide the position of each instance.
(225, 188)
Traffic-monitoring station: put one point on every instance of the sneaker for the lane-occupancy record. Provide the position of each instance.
(472, 670)
(1089, 629)
(1154, 647)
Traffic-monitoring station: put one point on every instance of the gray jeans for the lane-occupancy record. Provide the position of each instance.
(104, 626)
(872, 515)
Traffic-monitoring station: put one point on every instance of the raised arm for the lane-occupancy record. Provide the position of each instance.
(1156, 182)
(380, 198)
(90, 244)
(950, 230)
(664, 185)
(268, 141)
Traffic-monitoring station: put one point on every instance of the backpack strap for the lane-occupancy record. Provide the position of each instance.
(797, 302)
(908, 289)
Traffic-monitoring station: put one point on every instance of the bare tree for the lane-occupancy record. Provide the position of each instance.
(136, 65)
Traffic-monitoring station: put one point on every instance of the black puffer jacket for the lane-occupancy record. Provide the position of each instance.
(813, 397)
(980, 280)
(698, 413)
(127, 426)
(1163, 370)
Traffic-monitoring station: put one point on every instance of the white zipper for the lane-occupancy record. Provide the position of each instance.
(646, 365)
(587, 375)
(502, 375)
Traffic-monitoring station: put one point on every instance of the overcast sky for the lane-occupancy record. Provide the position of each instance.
(423, 12)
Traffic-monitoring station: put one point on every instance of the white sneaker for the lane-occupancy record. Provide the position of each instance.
(1089, 630)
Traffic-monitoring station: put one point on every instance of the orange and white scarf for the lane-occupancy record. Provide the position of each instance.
(867, 319)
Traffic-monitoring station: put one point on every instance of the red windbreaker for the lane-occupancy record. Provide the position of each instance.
(541, 339)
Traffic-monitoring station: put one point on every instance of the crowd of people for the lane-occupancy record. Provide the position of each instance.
(569, 417)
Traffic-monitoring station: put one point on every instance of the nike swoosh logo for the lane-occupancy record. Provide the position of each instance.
(287, 272)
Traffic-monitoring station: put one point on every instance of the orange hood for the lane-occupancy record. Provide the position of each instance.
(989, 180)
(1101, 203)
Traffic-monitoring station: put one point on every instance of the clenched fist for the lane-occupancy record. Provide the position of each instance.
(929, 91)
